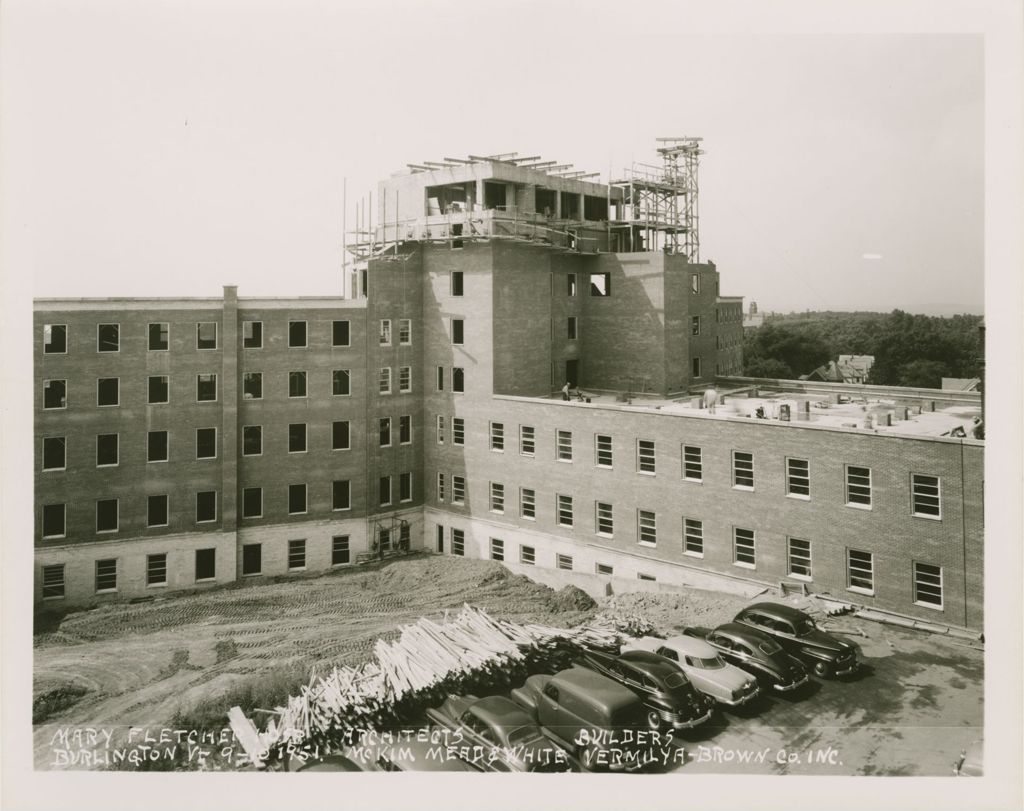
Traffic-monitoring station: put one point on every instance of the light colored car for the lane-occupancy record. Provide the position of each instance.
(703, 666)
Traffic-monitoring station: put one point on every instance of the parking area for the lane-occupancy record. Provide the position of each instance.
(914, 704)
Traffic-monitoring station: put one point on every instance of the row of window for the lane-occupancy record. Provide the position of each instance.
(108, 336)
(860, 566)
(54, 516)
(158, 391)
(204, 571)
(924, 488)
(54, 448)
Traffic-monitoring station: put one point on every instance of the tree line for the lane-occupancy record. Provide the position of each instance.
(909, 350)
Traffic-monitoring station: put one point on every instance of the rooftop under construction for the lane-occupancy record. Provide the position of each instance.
(528, 198)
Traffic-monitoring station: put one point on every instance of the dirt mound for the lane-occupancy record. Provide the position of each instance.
(675, 611)
(570, 599)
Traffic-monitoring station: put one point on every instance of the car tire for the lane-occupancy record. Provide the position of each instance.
(821, 669)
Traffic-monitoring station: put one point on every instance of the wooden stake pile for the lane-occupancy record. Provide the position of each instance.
(428, 661)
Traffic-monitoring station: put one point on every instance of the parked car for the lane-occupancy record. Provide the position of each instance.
(670, 699)
(796, 632)
(971, 761)
(705, 669)
(758, 654)
(601, 722)
(412, 755)
(508, 738)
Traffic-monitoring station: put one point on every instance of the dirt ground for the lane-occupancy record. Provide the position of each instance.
(124, 665)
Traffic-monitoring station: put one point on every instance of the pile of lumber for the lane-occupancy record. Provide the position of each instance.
(428, 661)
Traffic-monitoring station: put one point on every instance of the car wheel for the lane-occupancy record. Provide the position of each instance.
(654, 719)
(821, 669)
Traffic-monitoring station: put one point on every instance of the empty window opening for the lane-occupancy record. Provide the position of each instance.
(297, 338)
(206, 388)
(252, 558)
(252, 386)
(252, 334)
(159, 337)
(206, 506)
(108, 338)
(296, 499)
(600, 284)
(157, 446)
(55, 393)
(297, 437)
(252, 440)
(206, 335)
(106, 450)
(341, 494)
(156, 511)
(55, 340)
(296, 384)
(108, 391)
(206, 564)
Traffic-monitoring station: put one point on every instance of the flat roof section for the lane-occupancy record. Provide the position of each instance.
(886, 416)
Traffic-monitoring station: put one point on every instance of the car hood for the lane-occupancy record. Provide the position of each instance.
(825, 642)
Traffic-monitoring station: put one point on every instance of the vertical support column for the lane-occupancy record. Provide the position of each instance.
(558, 204)
(230, 349)
(480, 192)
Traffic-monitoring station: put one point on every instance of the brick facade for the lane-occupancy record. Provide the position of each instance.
(516, 348)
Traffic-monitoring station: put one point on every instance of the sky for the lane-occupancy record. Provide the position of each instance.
(172, 148)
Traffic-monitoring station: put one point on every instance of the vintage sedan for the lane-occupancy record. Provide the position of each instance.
(500, 734)
(758, 654)
(671, 701)
(705, 669)
(796, 632)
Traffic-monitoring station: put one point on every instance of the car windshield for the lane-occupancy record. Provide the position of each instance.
(523, 735)
(769, 647)
(804, 627)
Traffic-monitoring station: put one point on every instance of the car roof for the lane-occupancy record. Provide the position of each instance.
(593, 685)
(501, 712)
(649, 663)
(737, 630)
(778, 610)
(691, 646)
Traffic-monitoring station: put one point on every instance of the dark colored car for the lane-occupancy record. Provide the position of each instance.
(757, 653)
(503, 734)
(670, 699)
(601, 722)
(796, 632)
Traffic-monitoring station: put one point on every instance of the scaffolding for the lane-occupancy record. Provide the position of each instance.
(660, 210)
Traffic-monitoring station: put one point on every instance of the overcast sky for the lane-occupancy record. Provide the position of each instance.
(177, 147)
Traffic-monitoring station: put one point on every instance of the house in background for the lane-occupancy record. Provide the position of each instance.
(848, 369)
